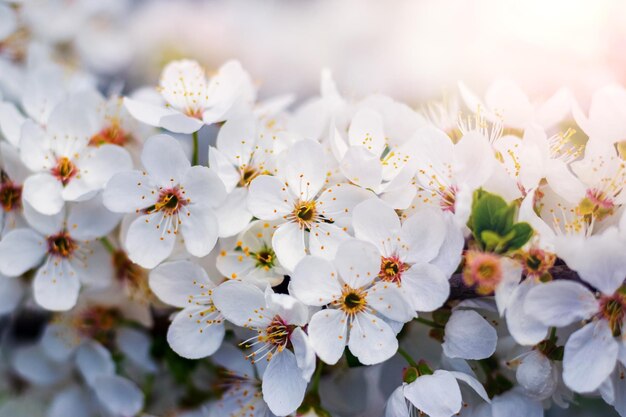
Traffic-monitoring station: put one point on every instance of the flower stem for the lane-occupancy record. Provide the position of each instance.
(194, 155)
(407, 357)
(108, 245)
(428, 323)
(552, 336)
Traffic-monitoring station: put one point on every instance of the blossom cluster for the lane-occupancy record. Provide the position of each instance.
(194, 250)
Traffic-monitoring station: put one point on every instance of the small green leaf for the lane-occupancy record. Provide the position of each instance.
(523, 233)
(491, 240)
(484, 213)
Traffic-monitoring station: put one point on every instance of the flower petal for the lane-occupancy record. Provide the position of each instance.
(371, 339)
(358, 262)
(437, 395)
(328, 334)
(242, 304)
(194, 334)
(56, 285)
(43, 193)
(596, 341)
(127, 192)
(283, 386)
(560, 303)
(288, 243)
(315, 282)
(21, 250)
(268, 198)
(199, 230)
(469, 336)
(376, 222)
(179, 283)
(147, 243)
(164, 159)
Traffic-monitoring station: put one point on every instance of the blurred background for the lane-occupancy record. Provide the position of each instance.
(414, 50)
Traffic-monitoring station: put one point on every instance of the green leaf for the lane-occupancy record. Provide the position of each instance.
(523, 233)
(491, 240)
(484, 214)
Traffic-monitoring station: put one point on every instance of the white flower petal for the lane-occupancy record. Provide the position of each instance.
(242, 304)
(371, 339)
(437, 395)
(43, 193)
(268, 198)
(146, 112)
(94, 360)
(426, 287)
(21, 250)
(56, 285)
(147, 243)
(233, 215)
(164, 159)
(59, 341)
(537, 375)
(199, 231)
(305, 355)
(525, 328)
(396, 404)
(358, 262)
(129, 191)
(90, 220)
(388, 301)
(328, 334)
(72, 401)
(325, 239)
(515, 404)
(422, 235)
(469, 336)
(203, 187)
(288, 243)
(283, 386)
(315, 282)
(366, 130)
(119, 395)
(560, 303)
(178, 282)
(596, 341)
(362, 168)
(304, 168)
(377, 223)
(10, 120)
(31, 364)
(195, 334)
(180, 123)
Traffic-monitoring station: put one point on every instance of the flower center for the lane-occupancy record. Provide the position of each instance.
(537, 263)
(10, 194)
(448, 198)
(97, 323)
(248, 173)
(170, 202)
(483, 270)
(65, 170)
(596, 204)
(352, 301)
(265, 258)
(112, 135)
(130, 274)
(391, 269)
(61, 245)
(277, 333)
(613, 309)
(304, 212)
